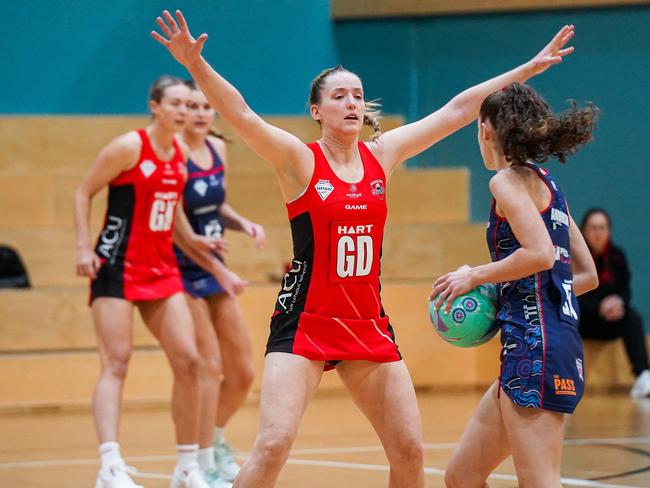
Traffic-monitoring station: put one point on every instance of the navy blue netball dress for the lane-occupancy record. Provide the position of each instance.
(542, 362)
(203, 196)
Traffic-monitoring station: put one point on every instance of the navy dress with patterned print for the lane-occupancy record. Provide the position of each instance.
(542, 362)
(203, 196)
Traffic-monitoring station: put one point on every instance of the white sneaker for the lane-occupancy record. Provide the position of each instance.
(641, 386)
(215, 480)
(189, 477)
(116, 476)
(225, 461)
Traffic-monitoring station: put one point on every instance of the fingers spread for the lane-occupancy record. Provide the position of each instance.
(566, 51)
(172, 23)
(181, 21)
(159, 38)
(201, 40)
(164, 27)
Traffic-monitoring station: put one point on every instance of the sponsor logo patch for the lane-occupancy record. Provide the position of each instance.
(579, 368)
(200, 187)
(564, 386)
(324, 188)
(377, 188)
(147, 167)
(559, 218)
(562, 255)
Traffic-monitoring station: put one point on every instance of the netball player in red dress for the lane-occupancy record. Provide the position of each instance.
(133, 263)
(328, 312)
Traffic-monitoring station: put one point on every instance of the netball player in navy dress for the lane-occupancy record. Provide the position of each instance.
(328, 312)
(223, 339)
(540, 263)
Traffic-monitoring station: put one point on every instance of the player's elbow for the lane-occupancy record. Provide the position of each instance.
(592, 280)
(545, 258)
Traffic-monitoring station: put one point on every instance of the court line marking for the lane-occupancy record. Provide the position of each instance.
(315, 450)
(302, 462)
(441, 472)
(344, 465)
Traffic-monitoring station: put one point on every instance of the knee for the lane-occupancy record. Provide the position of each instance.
(454, 478)
(211, 368)
(245, 377)
(273, 447)
(116, 364)
(186, 365)
(458, 475)
(410, 453)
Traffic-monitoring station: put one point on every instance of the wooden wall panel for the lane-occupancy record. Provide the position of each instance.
(353, 9)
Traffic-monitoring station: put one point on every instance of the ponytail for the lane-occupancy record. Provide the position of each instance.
(528, 130)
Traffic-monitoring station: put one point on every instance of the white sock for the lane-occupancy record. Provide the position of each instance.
(206, 458)
(109, 453)
(186, 454)
(218, 434)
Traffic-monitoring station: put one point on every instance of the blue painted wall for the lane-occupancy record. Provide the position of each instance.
(82, 57)
(418, 64)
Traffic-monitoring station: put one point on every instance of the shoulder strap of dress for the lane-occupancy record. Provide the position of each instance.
(542, 173)
(320, 161)
(146, 143)
(216, 159)
(368, 157)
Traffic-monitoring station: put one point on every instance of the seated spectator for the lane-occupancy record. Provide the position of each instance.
(606, 313)
(12, 271)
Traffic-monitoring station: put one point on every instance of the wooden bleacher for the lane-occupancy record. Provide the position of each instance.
(361, 9)
(47, 346)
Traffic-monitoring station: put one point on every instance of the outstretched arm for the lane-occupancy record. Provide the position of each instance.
(291, 158)
(398, 145)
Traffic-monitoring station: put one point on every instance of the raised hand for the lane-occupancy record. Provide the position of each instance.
(178, 41)
(554, 51)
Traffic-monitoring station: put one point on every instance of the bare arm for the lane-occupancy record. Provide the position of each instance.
(585, 276)
(200, 251)
(535, 254)
(235, 221)
(397, 145)
(292, 160)
(118, 156)
(232, 219)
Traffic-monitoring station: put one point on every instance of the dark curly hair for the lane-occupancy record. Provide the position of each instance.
(528, 130)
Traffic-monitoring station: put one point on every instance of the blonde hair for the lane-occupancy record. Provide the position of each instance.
(373, 107)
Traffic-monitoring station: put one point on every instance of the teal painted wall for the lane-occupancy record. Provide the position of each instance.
(91, 57)
(97, 57)
(416, 65)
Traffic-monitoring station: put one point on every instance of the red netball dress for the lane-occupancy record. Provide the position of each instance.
(329, 307)
(135, 245)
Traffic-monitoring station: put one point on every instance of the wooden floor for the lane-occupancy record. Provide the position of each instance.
(608, 444)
